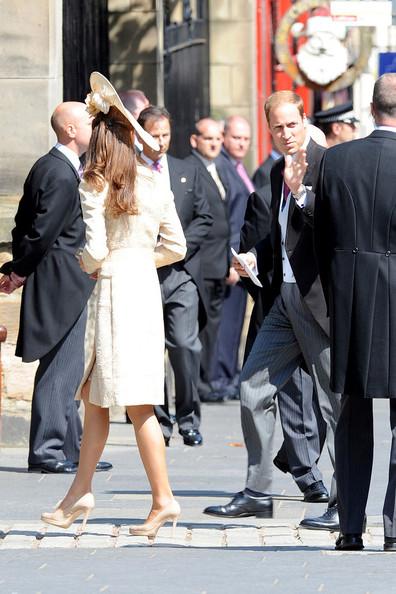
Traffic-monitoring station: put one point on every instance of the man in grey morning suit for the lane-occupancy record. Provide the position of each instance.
(48, 231)
(296, 327)
(355, 238)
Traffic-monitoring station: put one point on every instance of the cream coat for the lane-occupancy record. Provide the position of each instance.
(126, 250)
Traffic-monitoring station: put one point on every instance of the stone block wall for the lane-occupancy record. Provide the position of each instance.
(232, 62)
(135, 44)
(31, 84)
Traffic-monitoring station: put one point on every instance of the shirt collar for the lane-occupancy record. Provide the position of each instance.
(204, 160)
(386, 128)
(69, 154)
(149, 161)
(275, 155)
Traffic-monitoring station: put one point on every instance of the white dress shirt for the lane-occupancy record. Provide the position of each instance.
(288, 276)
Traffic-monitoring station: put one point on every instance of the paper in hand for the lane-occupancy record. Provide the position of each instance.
(250, 273)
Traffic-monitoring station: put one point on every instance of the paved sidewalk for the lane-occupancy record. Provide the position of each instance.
(206, 556)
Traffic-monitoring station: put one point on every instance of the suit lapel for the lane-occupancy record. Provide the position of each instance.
(175, 175)
(205, 173)
(58, 155)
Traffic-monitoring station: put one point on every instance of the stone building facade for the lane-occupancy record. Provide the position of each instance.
(31, 85)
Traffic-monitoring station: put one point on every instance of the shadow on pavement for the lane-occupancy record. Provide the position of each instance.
(13, 469)
(176, 493)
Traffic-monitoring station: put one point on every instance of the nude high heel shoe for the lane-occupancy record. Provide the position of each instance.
(169, 513)
(63, 518)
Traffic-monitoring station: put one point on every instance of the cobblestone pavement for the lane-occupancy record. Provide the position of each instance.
(206, 555)
(267, 533)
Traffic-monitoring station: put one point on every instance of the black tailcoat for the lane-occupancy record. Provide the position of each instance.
(261, 176)
(48, 231)
(299, 238)
(355, 236)
(256, 228)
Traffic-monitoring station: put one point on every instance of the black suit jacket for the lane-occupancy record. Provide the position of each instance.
(215, 251)
(299, 239)
(355, 237)
(237, 199)
(196, 219)
(48, 231)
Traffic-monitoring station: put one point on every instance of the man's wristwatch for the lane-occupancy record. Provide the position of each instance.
(300, 192)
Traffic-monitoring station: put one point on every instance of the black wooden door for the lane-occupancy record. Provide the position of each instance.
(85, 45)
(186, 72)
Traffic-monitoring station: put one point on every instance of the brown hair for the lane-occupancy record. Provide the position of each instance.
(281, 97)
(153, 112)
(111, 158)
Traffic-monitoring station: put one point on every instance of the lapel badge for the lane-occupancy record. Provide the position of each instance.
(183, 180)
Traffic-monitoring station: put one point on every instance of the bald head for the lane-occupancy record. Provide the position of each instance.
(72, 125)
(383, 106)
(237, 136)
(207, 138)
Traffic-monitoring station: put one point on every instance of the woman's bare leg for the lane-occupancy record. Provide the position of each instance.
(151, 446)
(95, 433)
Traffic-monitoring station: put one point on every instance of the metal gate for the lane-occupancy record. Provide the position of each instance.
(85, 45)
(186, 72)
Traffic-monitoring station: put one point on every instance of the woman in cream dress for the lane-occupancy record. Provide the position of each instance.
(131, 229)
(129, 333)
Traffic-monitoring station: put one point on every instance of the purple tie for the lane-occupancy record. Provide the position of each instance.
(80, 171)
(157, 166)
(244, 176)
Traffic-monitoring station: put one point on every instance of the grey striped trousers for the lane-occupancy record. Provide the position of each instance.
(55, 426)
(288, 335)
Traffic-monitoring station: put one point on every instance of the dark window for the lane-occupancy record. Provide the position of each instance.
(85, 45)
(186, 72)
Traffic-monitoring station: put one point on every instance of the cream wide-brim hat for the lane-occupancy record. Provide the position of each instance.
(104, 96)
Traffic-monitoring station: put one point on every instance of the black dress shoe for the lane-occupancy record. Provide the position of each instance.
(316, 493)
(390, 544)
(54, 467)
(349, 542)
(242, 506)
(103, 466)
(191, 437)
(328, 521)
(283, 466)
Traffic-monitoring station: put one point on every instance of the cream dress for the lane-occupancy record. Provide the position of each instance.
(127, 367)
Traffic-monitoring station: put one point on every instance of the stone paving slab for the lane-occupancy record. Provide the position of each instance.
(267, 534)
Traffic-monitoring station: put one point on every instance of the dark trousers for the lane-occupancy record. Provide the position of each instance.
(215, 291)
(288, 336)
(354, 446)
(304, 429)
(181, 302)
(225, 369)
(55, 427)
